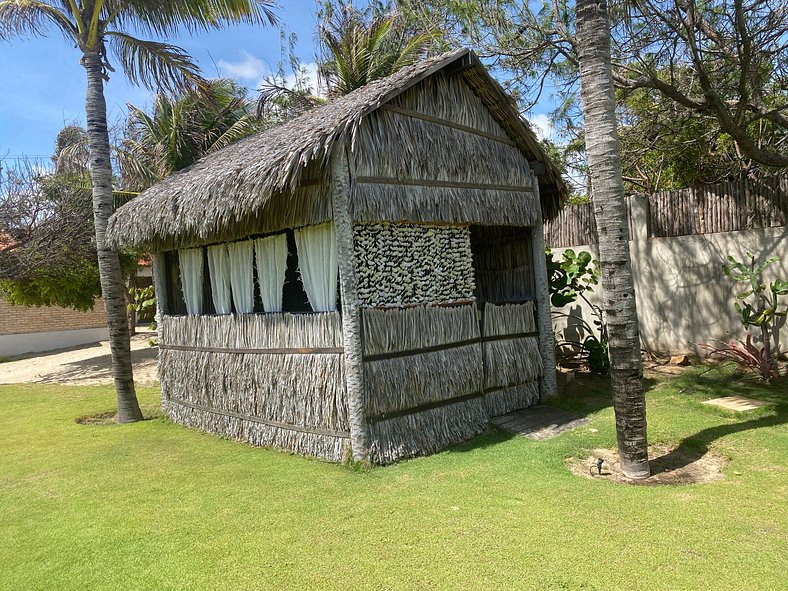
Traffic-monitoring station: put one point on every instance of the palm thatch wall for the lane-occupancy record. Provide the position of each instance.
(423, 376)
(435, 375)
(420, 172)
(271, 380)
(435, 154)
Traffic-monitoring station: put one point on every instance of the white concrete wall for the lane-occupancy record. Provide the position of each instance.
(17, 344)
(683, 297)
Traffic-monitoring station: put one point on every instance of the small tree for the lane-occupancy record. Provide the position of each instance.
(758, 306)
(569, 280)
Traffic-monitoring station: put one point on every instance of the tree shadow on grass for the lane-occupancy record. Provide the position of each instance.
(694, 447)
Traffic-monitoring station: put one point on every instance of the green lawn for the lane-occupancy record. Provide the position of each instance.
(157, 506)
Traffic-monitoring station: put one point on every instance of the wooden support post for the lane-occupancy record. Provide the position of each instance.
(351, 314)
(548, 386)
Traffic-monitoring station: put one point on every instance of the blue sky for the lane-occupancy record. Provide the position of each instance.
(44, 85)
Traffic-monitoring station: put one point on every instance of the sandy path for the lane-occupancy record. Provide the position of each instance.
(86, 364)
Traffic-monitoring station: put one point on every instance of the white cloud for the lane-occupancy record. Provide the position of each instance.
(248, 68)
(541, 125)
(309, 77)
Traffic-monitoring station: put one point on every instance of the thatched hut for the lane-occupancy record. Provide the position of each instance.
(366, 279)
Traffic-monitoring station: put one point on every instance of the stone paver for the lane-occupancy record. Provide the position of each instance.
(737, 403)
(539, 422)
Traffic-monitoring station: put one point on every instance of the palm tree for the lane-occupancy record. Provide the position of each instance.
(96, 27)
(604, 161)
(361, 46)
(182, 129)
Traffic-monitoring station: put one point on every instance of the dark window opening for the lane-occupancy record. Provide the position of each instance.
(207, 292)
(503, 264)
(294, 298)
(176, 304)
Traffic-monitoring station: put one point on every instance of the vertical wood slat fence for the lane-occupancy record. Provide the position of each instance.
(704, 209)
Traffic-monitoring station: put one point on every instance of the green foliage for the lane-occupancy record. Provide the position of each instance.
(362, 45)
(144, 301)
(183, 128)
(763, 306)
(758, 306)
(569, 279)
(75, 286)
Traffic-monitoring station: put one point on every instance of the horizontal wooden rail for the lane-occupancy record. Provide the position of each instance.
(447, 346)
(447, 123)
(235, 415)
(373, 180)
(276, 351)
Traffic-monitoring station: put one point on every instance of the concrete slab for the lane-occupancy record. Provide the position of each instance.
(539, 422)
(736, 403)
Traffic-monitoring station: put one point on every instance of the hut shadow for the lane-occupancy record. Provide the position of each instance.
(490, 438)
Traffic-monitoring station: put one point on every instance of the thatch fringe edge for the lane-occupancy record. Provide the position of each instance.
(427, 432)
(258, 434)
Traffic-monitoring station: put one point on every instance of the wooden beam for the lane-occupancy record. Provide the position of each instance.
(272, 351)
(446, 123)
(236, 415)
(374, 180)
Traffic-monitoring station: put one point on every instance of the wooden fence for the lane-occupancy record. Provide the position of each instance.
(704, 209)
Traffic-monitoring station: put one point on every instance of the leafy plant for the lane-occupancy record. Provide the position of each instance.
(758, 306)
(144, 301)
(569, 280)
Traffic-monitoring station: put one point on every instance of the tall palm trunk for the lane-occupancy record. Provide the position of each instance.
(112, 288)
(604, 161)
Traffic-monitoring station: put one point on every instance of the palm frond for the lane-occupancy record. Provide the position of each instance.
(242, 128)
(31, 18)
(166, 17)
(153, 64)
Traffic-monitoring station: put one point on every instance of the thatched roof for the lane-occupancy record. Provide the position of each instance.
(232, 185)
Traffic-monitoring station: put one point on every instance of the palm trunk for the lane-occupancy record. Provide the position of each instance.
(604, 161)
(351, 314)
(112, 287)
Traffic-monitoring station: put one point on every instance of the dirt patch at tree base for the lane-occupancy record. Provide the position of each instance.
(111, 417)
(668, 466)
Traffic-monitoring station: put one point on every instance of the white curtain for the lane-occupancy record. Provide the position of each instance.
(271, 254)
(219, 269)
(190, 261)
(242, 275)
(317, 259)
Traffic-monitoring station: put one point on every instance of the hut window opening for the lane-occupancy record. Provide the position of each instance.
(191, 271)
(176, 304)
(294, 298)
(271, 271)
(295, 271)
(503, 264)
(318, 263)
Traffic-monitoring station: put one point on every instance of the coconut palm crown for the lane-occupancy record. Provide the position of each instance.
(181, 129)
(100, 29)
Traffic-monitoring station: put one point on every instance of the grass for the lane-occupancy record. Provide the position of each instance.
(156, 506)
